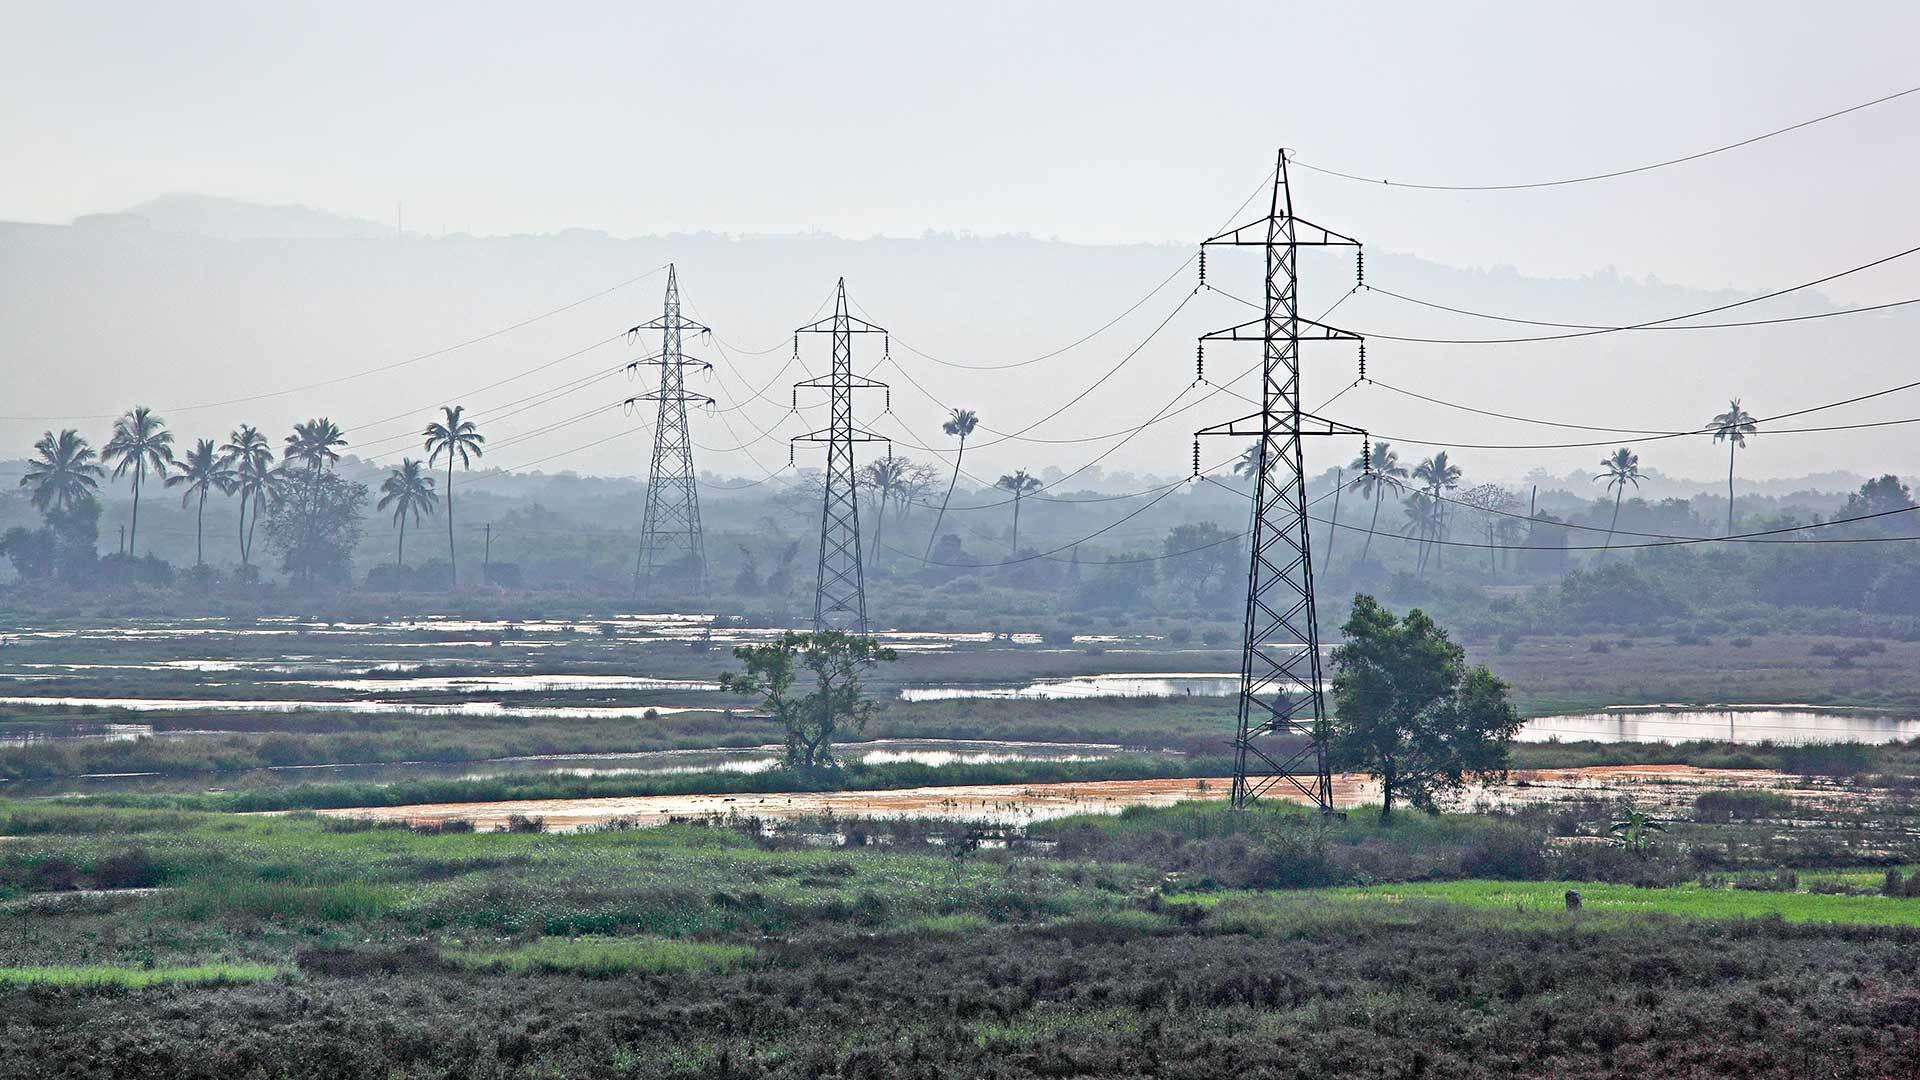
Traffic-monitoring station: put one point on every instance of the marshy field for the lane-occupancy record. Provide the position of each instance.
(540, 849)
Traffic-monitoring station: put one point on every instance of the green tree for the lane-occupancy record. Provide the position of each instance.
(201, 471)
(64, 472)
(141, 442)
(314, 444)
(1409, 712)
(959, 425)
(834, 705)
(1621, 468)
(1202, 560)
(249, 456)
(454, 437)
(408, 490)
(1387, 475)
(1734, 426)
(315, 526)
(1021, 485)
(1247, 465)
(1417, 513)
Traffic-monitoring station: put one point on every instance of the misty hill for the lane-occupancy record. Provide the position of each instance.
(218, 312)
(231, 219)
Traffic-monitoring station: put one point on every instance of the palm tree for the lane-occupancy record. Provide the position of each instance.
(1734, 425)
(1386, 475)
(1418, 510)
(201, 470)
(409, 490)
(64, 473)
(456, 438)
(1021, 485)
(140, 442)
(1438, 476)
(1621, 469)
(960, 425)
(313, 444)
(1248, 464)
(249, 456)
(887, 477)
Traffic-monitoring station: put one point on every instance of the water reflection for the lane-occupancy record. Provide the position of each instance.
(1156, 685)
(1736, 725)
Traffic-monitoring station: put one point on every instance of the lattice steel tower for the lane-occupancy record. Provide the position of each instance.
(670, 536)
(1280, 677)
(840, 597)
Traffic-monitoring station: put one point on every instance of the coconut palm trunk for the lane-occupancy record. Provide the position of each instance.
(140, 472)
(453, 567)
(1730, 448)
(200, 532)
(1618, 493)
(1016, 524)
(400, 556)
(934, 536)
(1339, 482)
(879, 530)
(1367, 548)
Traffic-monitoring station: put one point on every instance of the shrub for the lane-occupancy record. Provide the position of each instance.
(1741, 643)
(135, 869)
(1215, 636)
(521, 823)
(1505, 851)
(1598, 646)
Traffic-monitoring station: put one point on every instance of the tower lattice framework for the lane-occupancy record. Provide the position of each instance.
(1282, 731)
(840, 594)
(671, 539)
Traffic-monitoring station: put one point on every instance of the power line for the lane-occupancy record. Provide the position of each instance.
(1759, 537)
(1691, 326)
(380, 369)
(1589, 178)
(1651, 324)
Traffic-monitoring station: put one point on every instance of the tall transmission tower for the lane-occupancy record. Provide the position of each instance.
(840, 597)
(671, 541)
(1280, 679)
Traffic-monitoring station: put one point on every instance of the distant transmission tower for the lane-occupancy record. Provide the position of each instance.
(840, 597)
(670, 538)
(1280, 680)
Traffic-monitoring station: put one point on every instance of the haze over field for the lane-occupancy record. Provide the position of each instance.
(998, 187)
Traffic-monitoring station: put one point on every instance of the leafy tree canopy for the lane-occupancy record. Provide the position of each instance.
(836, 702)
(1410, 712)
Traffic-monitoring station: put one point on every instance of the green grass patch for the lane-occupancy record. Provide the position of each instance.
(92, 975)
(604, 957)
(1688, 901)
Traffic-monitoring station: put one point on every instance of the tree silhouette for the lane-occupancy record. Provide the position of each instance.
(886, 477)
(202, 470)
(1619, 470)
(1247, 465)
(1387, 475)
(1734, 426)
(409, 491)
(249, 456)
(1021, 485)
(1418, 512)
(459, 438)
(314, 443)
(960, 425)
(63, 474)
(1438, 476)
(140, 442)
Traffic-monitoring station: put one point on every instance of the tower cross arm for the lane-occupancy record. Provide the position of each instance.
(828, 382)
(1256, 425)
(662, 395)
(840, 324)
(1256, 330)
(827, 435)
(1305, 234)
(678, 322)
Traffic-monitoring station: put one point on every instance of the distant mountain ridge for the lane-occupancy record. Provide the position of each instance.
(234, 219)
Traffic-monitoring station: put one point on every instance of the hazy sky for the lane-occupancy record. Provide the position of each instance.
(1093, 122)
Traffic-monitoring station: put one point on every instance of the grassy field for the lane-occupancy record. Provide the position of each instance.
(1181, 941)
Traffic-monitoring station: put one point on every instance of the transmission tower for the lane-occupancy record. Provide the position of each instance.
(670, 536)
(840, 597)
(1280, 682)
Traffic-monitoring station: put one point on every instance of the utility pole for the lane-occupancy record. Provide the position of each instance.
(840, 595)
(670, 535)
(1280, 679)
